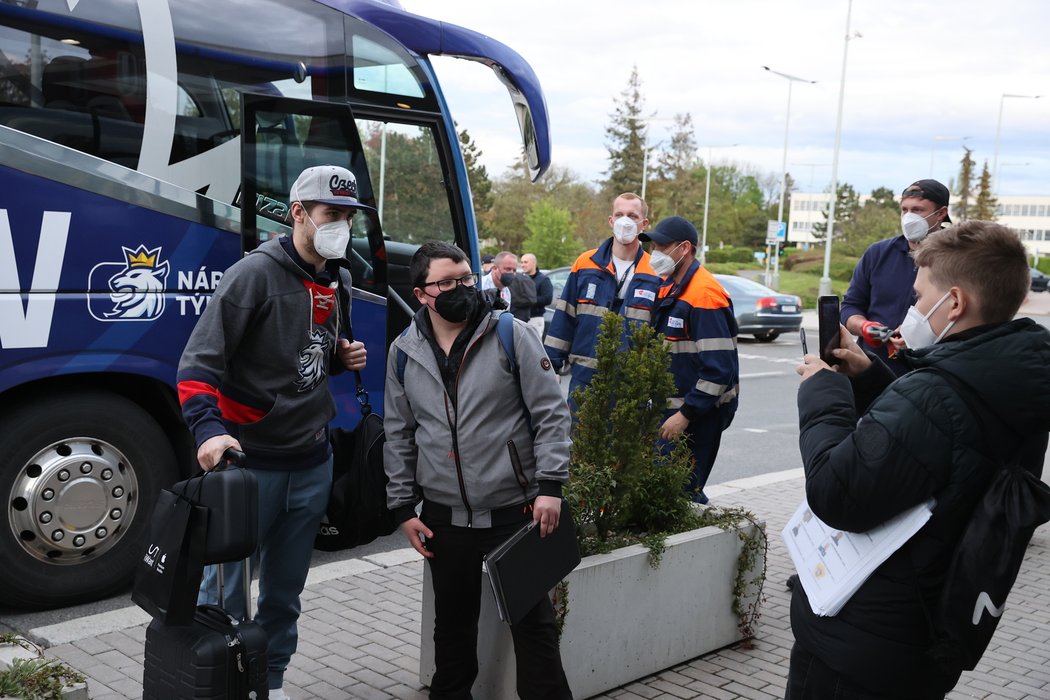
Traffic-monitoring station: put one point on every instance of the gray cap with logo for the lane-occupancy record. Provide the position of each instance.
(328, 184)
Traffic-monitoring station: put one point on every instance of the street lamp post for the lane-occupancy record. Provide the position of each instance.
(933, 146)
(707, 202)
(783, 169)
(998, 131)
(825, 280)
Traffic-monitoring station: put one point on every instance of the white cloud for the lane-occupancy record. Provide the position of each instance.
(922, 69)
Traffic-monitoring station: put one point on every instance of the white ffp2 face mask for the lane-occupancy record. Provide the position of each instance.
(625, 230)
(662, 263)
(916, 329)
(331, 239)
(914, 226)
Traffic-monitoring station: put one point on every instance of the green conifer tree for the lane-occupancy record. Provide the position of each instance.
(987, 204)
(964, 193)
(626, 143)
(619, 479)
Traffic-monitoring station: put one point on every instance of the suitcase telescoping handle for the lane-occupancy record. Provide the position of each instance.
(235, 457)
(246, 578)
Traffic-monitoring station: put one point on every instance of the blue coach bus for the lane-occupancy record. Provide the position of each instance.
(131, 134)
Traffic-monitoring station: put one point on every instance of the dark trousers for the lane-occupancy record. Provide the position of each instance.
(810, 679)
(456, 572)
(704, 436)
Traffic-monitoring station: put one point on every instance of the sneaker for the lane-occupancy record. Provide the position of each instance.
(278, 694)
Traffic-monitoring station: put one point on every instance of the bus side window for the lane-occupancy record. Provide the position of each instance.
(81, 96)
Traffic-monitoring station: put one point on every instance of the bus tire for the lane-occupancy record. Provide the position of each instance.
(79, 473)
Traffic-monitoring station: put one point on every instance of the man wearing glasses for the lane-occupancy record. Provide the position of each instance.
(881, 289)
(460, 439)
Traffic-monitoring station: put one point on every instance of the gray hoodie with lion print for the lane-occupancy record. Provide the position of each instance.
(257, 363)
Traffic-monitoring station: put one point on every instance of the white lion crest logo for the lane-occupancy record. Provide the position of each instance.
(137, 291)
(313, 361)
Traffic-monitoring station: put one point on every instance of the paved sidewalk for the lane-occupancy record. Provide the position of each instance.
(359, 633)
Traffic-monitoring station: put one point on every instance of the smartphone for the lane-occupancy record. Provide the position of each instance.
(828, 316)
(802, 337)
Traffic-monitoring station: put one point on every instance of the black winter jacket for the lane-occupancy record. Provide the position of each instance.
(916, 438)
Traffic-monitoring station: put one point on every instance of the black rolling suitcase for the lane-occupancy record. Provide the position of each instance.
(214, 658)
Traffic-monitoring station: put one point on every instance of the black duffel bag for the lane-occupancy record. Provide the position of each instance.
(357, 512)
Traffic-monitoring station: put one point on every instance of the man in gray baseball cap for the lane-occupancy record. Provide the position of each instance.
(327, 197)
(254, 377)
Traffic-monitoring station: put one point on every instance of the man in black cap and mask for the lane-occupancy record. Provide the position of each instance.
(696, 317)
(881, 289)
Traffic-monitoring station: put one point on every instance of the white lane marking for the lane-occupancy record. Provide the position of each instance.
(780, 360)
(759, 375)
(755, 430)
(133, 616)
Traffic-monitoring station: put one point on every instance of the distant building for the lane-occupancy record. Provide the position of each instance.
(807, 210)
(1028, 215)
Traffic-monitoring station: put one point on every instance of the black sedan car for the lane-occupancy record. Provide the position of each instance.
(1039, 280)
(759, 310)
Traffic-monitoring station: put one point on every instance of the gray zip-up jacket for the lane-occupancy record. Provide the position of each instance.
(460, 458)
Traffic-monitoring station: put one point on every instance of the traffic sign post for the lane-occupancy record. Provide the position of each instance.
(776, 233)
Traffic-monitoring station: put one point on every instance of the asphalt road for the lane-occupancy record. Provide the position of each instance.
(764, 435)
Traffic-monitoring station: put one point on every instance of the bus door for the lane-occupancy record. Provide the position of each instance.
(280, 137)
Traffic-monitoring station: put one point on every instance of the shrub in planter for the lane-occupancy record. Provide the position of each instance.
(622, 488)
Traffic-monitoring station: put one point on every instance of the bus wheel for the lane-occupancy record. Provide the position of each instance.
(79, 474)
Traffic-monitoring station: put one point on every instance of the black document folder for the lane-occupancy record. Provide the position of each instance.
(526, 566)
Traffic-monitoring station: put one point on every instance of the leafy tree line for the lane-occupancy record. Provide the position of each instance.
(562, 214)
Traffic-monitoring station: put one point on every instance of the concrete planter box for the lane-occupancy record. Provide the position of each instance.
(10, 652)
(625, 619)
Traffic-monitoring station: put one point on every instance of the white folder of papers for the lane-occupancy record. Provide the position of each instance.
(832, 564)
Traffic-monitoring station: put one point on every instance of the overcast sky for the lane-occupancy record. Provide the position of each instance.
(922, 72)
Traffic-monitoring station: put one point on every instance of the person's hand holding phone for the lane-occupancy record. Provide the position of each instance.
(851, 357)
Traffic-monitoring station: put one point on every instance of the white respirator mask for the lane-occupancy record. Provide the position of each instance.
(625, 230)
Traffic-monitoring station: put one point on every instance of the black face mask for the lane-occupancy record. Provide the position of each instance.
(456, 305)
(506, 278)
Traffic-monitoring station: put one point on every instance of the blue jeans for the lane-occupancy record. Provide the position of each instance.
(291, 504)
